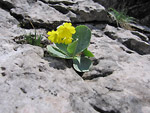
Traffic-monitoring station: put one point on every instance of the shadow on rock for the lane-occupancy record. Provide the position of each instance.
(57, 63)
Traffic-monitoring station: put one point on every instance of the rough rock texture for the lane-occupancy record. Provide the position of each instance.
(135, 8)
(116, 77)
(47, 13)
(32, 82)
(137, 42)
(9, 26)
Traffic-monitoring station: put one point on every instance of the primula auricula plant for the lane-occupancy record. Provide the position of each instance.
(72, 43)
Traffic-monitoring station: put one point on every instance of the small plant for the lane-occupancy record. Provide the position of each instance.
(33, 39)
(121, 18)
(72, 43)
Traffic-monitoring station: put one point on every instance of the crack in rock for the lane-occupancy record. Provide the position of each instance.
(6, 5)
(23, 90)
(100, 73)
(140, 47)
(103, 111)
(58, 2)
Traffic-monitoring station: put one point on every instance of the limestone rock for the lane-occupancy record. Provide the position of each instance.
(7, 22)
(35, 85)
(88, 13)
(118, 77)
(49, 14)
(41, 15)
(137, 43)
(33, 82)
(10, 26)
(135, 8)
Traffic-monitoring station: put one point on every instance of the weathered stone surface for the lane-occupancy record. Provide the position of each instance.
(142, 36)
(44, 15)
(35, 85)
(137, 42)
(7, 23)
(31, 82)
(80, 10)
(67, 2)
(118, 77)
(9, 26)
(140, 28)
(40, 14)
(88, 13)
(135, 8)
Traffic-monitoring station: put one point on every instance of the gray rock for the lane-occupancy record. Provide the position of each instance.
(137, 42)
(32, 82)
(141, 28)
(135, 8)
(10, 28)
(67, 2)
(46, 13)
(140, 35)
(7, 23)
(120, 88)
(88, 13)
(80, 10)
(40, 14)
(35, 85)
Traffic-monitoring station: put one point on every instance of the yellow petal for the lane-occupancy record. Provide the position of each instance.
(72, 30)
(67, 24)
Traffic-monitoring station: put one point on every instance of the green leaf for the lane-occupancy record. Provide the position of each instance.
(72, 47)
(121, 18)
(81, 64)
(57, 53)
(35, 35)
(63, 48)
(28, 38)
(88, 53)
(38, 41)
(83, 34)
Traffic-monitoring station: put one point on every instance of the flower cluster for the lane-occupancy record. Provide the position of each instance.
(63, 34)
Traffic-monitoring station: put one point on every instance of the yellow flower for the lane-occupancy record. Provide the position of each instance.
(54, 36)
(63, 34)
(67, 40)
(66, 30)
